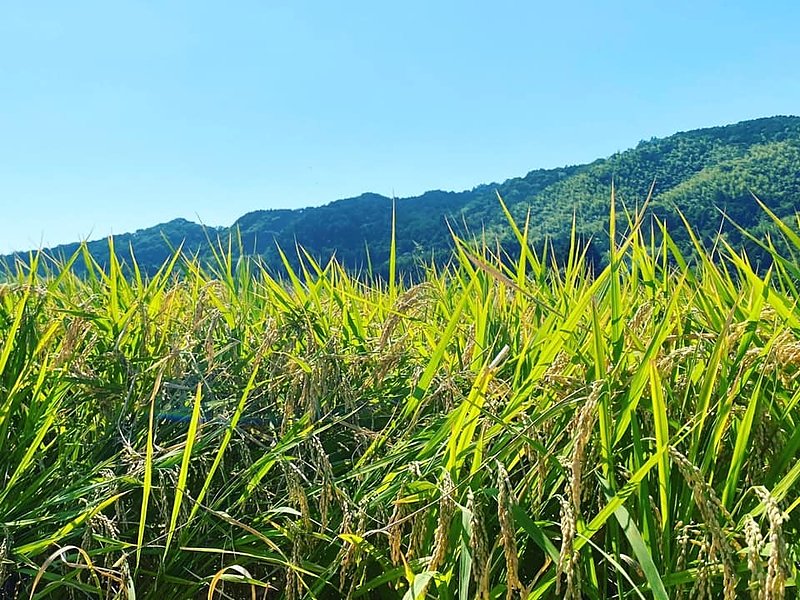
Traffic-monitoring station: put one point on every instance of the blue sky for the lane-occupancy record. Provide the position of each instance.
(119, 115)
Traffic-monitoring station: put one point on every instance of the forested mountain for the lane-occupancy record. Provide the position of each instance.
(701, 172)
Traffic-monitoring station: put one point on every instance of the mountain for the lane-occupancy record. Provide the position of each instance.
(701, 172)
(152, 246)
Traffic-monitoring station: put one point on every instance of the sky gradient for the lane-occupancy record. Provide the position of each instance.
(119, 115)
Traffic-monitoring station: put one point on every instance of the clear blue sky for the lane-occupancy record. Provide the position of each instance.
(119, 115)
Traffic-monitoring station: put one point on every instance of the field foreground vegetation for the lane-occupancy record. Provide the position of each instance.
(504, 428)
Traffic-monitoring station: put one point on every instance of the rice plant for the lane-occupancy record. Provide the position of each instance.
(508, 427)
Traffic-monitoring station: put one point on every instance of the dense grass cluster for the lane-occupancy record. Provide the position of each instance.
(503, 429)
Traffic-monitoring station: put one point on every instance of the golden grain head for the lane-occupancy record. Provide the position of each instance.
(508, 531)
(479, 546)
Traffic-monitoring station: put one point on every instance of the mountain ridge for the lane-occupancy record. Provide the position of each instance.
(697, 171)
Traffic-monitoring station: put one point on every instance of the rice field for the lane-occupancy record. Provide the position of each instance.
(506, 427)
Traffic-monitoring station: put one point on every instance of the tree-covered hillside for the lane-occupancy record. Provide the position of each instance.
(700, 172)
